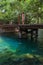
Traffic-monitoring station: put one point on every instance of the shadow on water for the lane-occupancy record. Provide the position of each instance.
(28, 46)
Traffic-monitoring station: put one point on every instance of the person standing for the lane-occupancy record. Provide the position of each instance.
(23, 18)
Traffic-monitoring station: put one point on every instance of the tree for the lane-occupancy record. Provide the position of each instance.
(10, 9)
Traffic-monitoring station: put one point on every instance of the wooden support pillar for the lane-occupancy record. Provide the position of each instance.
(36, 33)
(31, 33)
(26, 33)
(20, 33)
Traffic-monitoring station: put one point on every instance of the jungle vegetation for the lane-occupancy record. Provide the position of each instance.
(10, 9)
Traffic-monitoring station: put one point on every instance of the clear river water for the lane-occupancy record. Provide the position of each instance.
(22, 46)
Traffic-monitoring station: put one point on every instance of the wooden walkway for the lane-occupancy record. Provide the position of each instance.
(11, 28)
(39, 26)
(32, 26)
(29, 26)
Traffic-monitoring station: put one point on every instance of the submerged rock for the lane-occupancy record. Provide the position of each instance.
(10, 58)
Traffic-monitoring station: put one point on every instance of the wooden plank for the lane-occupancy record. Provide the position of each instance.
(27, 26)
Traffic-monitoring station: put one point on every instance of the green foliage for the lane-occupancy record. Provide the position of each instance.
(10, 9)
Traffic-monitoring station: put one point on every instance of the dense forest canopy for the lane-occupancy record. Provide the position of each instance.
(10, 9)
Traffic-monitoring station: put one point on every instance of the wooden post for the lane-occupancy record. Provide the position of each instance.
(36, 33)
(20, 33)
(31, 33)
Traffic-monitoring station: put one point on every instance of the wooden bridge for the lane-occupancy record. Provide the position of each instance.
(22, 27)
(28, 26)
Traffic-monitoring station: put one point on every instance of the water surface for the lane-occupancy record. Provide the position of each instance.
(22, 46)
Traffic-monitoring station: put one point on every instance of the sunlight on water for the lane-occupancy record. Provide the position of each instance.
(8, 43)
(1, 40)
(3, 44)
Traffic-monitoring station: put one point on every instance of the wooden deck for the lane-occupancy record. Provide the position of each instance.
(28, 26)
(11, 28)
(32, 26)
(22, 28)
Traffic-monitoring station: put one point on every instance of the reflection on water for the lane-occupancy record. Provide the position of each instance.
(22, 46)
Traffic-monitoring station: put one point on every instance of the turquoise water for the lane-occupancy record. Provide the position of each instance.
(21, 46)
